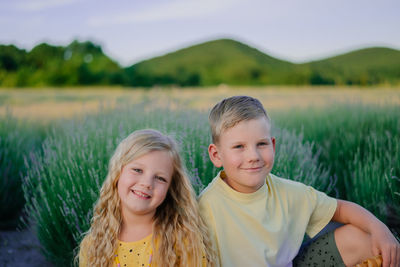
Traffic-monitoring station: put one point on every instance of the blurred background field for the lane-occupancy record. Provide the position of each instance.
(55, 146)
(71, 102)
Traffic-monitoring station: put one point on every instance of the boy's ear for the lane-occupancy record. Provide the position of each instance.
(214, 155)
(273, 142)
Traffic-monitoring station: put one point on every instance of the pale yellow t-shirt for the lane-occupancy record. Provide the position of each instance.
(267, 227)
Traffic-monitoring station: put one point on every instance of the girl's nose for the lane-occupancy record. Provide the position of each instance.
(147, 181)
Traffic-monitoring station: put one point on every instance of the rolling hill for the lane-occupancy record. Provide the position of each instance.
(210, 63)
(222, 61)
(231, 62)
(375, 65)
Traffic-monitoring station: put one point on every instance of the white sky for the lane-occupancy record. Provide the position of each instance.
(133, 30)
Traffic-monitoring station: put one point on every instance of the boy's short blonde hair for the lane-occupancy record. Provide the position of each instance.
(230, 111)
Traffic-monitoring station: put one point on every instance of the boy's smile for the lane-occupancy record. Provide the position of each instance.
(246, 152)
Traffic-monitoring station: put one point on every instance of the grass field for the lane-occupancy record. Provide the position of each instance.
(55, 146)
(51, 104)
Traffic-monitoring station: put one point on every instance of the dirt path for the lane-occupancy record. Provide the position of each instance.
(20, 248)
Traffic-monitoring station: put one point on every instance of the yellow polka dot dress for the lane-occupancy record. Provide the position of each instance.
(132, 254)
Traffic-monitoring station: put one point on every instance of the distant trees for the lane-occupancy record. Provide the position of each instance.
(80, 63)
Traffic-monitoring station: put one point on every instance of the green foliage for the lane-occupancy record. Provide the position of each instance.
(46, 65)
(360, 145)
(64, 180)
(296, 160)
(215, 62)
(17, 140)
(11, 58)
(375, 178)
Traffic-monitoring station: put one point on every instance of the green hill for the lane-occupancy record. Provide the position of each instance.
(376, 65)
(215, 62)
(210, 63)
(231, 62)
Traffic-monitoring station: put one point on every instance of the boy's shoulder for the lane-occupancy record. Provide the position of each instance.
(292, 191)
(284, 183)
(210, 190)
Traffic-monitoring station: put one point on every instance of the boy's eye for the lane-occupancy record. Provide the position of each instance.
(238, 146)
(162, 179)
(263, 144)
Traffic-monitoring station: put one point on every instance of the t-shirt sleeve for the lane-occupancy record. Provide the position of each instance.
(323, 210)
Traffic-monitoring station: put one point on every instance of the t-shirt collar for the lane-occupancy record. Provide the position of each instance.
(261, 192)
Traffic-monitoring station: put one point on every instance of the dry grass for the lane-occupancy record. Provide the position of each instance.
(51, 104)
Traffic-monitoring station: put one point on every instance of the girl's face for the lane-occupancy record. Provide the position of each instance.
(144, 183)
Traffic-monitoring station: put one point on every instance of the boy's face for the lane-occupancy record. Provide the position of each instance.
(246, 152)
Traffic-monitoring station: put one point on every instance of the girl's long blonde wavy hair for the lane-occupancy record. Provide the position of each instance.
(178, 230)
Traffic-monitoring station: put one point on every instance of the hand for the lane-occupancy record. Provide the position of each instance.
(385, 244)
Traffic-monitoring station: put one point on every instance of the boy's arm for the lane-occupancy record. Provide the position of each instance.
(383, 242)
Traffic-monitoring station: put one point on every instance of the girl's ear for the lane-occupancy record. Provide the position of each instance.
(214, 155)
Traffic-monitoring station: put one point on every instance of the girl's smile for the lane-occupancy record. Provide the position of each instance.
(141, 194)
(144, 183)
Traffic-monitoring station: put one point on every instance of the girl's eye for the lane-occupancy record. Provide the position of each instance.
(162, 179)
(238, 146)
(263, 144)
(137, 170)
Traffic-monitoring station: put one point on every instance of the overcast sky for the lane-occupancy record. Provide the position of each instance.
(133, 30)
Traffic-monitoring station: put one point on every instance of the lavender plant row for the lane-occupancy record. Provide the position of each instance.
(64, 178)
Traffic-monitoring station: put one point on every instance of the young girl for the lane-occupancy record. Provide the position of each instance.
(147, 214)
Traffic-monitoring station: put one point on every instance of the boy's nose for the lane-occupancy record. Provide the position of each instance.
(253, 155)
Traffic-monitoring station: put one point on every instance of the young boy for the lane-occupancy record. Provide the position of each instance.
(258, 219)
